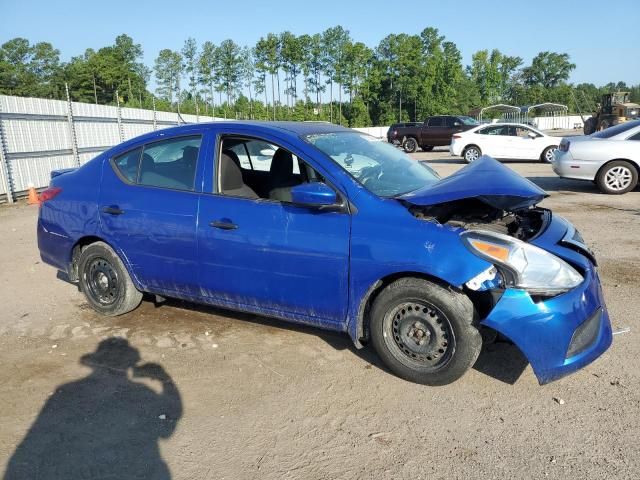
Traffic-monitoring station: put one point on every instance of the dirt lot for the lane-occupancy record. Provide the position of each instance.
(253, 397)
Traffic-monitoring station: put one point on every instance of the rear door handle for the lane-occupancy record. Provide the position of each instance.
(113, 210)
(223, 225)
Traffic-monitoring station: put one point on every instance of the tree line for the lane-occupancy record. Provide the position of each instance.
(324, 76)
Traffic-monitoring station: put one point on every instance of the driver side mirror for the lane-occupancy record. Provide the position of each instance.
(532, 135)
(315, 195)
(457, 124)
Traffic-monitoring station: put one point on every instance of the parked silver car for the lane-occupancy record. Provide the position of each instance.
(610, 158)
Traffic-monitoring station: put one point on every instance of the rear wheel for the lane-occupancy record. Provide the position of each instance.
(424, 332)
(547, 155)
(589, 126)
(617, 177)
(105, 282)
(410, 145)
(471, 154)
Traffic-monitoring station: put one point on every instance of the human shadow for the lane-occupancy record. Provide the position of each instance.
(105, 425)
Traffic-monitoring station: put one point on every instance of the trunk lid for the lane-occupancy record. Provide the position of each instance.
(62, 171)
(486, 180)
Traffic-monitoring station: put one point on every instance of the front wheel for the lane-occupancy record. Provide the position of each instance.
(410, 145)
(617, 177)
(547, 155)
(471, 154)
(105, 282)
(424, 332)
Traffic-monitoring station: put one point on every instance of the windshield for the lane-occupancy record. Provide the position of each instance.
(469, 121)
(379, 167)
(612, 131)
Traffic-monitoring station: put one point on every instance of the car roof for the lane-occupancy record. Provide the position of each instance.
(289, 129)
(505, 124)
(296, 128)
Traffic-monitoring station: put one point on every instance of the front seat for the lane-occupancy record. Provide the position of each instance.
(281, 177)
(231, 179)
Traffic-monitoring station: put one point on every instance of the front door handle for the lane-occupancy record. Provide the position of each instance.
(113, 210)
(223, 225)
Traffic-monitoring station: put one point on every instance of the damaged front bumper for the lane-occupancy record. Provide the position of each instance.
(562, 334)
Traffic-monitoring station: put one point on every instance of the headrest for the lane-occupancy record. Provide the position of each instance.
(281, 164)
(190, 154)
(230, 173)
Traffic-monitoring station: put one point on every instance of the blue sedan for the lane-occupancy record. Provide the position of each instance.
(325, 226)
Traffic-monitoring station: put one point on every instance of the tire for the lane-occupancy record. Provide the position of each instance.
(589, 126)
(410, 145)
(617, 177)
(547, 154)
(471, 154)
(424, 332)
(427, 148)
(105, 282)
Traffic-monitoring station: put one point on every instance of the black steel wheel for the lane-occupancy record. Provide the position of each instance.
(424, 332)
(420, 332)
(105, 282)
(102, 281)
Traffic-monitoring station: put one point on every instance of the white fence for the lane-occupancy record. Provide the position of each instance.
(38, 135)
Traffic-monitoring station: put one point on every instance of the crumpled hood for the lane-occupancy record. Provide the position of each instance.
(485, 179)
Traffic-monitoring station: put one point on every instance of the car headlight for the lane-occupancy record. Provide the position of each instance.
(523, 265)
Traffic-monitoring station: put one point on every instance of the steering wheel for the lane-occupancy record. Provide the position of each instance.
(370, 173)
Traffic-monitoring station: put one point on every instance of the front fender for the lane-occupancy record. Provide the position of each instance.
(401, 246)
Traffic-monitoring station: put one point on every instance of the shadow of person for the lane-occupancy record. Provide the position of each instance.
(105, 425)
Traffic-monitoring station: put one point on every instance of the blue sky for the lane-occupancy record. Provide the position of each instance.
(521, 28)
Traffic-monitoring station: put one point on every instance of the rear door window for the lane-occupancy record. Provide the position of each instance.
(170, 163)
(450, 122)
(436, 122)
(495, 130)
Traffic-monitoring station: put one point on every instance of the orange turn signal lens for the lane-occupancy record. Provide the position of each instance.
(491, 249)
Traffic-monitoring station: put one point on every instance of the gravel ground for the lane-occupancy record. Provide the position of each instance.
(238, 396)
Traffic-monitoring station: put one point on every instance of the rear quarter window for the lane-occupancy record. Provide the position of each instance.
(127, 164)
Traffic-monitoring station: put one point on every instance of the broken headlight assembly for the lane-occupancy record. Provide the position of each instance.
(521, 264)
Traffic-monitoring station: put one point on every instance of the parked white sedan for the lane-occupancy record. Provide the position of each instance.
(503, 140)
(610, 158)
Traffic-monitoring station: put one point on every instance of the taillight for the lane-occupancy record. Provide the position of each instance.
(564, 145)
(48, 194)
